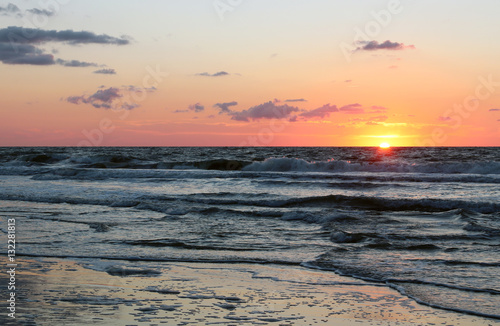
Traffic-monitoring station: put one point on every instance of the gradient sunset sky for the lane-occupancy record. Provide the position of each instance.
(250, 73)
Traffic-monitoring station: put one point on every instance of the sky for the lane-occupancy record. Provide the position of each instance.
(249, 73)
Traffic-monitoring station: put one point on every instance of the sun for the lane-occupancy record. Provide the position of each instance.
(385, 145)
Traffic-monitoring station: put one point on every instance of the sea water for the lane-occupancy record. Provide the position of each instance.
(425, 221)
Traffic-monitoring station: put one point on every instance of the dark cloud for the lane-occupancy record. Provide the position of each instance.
(269, 110)
(296, 100)
(217, 74)
(105, 71)
(75, 63)
(387, 45)
(225, 107)
(103, 98)
(14, 34)
(273, 110)
(18, 45)
(181, 111)
(24, 54)
(494, 110)
(321, 112)
(41, 12)
(196, 107)
(109, 98)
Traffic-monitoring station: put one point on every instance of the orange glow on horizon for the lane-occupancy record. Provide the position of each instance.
(385, 145)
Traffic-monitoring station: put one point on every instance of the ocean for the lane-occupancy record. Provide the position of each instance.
(424, 221)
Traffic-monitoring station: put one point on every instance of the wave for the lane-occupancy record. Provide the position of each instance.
(329, 180)
(196, 246)
(162, 203)
(174, 260)
(128, 160)
(300, 165)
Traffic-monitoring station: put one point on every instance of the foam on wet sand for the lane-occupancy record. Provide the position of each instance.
(76, 292)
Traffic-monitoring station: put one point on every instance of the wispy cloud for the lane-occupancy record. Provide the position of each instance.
(110, 98)
(13, 11)
(321, 112)
(105, 71)
(296, 100)
(372, 121)
(196, 107)
(217, 74)
(387, 45)
(225, 107)
(41, 12)
(355, 108)
(75, 63)
(10, 10)
(494, 110)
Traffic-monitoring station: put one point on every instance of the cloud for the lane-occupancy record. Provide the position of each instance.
(13, 10)
(348, 81)
(269, 110)
(355, 108)
(217, 74)
(15, 34)
(24, 54)
(372, 121)
(10, 10)
(321, 112)
(296, 100)
(110, 98)
(377, 109)
(225, 107)
(387, 45)
(196, 107)
(494, 110)
(19, 45)
(444, 119)
(75, 63)
(181, 111)
(42, 12)
(105, 71)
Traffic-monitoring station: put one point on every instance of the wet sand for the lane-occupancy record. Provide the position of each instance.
(79, 292)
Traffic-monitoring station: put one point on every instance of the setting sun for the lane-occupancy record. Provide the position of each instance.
(385, 145)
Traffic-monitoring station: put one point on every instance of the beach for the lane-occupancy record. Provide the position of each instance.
(68, 292)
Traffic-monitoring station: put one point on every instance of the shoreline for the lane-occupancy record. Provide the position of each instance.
(54, 291)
